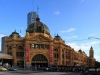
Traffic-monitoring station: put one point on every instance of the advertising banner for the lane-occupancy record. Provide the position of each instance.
(27, 53)
(50, 54)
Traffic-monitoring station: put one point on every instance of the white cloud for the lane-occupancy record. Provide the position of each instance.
(77, 47)
(97, 57)
(85, 46)
(57, 12)
(74, 45)
(69, 30)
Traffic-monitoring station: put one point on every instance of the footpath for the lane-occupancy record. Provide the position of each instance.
(26, 71)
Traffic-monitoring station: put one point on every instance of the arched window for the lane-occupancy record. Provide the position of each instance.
(39, 57)
(20, 47)
(55, 49)
(9, 47)
(39, 28)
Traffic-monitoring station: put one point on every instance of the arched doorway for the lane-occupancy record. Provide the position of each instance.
(39, 60)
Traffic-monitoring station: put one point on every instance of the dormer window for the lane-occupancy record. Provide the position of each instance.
(39, 28)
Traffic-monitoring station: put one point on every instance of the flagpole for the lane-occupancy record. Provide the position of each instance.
(37, 11)
(32, 5)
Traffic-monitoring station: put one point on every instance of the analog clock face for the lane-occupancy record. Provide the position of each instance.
(39, 39)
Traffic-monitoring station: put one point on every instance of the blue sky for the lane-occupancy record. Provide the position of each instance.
(71, 19)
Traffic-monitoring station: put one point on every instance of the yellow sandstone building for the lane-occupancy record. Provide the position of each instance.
(38, 47)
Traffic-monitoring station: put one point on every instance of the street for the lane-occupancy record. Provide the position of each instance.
(36, 73)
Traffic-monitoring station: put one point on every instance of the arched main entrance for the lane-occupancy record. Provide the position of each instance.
(39, 60)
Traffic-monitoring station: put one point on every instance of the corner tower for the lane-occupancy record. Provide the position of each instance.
(91, 52)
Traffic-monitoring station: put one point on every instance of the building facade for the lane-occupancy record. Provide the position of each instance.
(31, 16)
(39, 48)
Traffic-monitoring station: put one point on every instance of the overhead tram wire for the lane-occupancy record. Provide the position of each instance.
(93, 38)
(3, 34)
(90, 38)
(78, 40)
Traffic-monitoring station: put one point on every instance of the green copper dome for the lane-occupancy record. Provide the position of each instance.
(38, 27)
(12, 34)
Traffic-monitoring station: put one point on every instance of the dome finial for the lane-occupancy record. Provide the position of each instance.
(15, 30)
(37, 19)
(91, 47)
(57, 34)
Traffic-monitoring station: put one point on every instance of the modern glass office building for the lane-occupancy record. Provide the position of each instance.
(31, 16)
(2, 43)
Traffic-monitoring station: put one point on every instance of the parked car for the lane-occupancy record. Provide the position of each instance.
(98, 70)
(12, 69)
(91, 71)
(2, 68)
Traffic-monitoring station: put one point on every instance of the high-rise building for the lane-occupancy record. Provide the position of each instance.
(2, 43)
(31, 16)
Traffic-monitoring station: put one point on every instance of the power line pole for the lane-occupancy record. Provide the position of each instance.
(24, 58)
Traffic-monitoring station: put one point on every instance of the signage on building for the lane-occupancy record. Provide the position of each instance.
(27, 53)
(50, 54)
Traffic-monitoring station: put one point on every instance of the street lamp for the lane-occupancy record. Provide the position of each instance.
(35, 65)
(1, 61)
(24, 58)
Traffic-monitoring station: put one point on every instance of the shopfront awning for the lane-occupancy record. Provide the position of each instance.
(5, 56)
